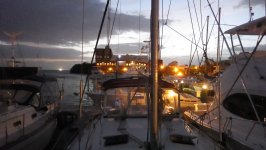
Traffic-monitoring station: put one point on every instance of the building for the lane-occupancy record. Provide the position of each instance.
(107, 63)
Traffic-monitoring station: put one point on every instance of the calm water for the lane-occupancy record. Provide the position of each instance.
(71, 86)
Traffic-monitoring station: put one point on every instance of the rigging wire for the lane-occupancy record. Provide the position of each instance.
(139, 25)
(196, 49)
(82, 36)
(97, 41)
(192, 25)
(108, 23)
(209, 36)
(164, 23)
(196, 44)
(100, 31)
(161, 40)
(168, 12)
(112, 27)
(201, 14)
(119, 24)
(82, 89)
(197, 20)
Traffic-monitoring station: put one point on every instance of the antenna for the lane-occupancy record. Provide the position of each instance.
(13, 38)
(251, 14)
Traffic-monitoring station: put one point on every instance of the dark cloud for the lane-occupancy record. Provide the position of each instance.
(28, 52)
(245, 3)
(47, 58)
(58, 21)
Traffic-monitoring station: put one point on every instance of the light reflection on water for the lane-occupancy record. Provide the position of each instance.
(71, 86)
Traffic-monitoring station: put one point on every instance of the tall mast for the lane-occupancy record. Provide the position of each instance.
(154, 133)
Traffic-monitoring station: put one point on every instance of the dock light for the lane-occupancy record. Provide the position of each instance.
(180, 74)
(204, 86)
(162, 67)
(125, 69)
(110, 69)
(176, 69)
(171, 93)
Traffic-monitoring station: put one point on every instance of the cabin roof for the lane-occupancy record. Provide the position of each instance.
(255, 27)
(133, 82)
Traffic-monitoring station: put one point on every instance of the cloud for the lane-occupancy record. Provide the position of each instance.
(25, 52)
(52, 29)
(58, 21)
(245, 3)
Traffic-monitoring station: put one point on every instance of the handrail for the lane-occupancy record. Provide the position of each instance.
(229, 120)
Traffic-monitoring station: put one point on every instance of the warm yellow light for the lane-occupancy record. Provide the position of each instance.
(171, 93)
(180, 74)
(204, 86)
(125, 69)
(110, 69)
(196, 67)
(175, 69)
(162, 67)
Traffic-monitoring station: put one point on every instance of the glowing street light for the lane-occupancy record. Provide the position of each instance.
(176, 69)
(125, 69)
(162, 67)
(204, 86)
(110, 69)
(171, 93)
(180, 74)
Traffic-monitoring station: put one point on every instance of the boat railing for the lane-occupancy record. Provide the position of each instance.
(203, 116)
(229, 124)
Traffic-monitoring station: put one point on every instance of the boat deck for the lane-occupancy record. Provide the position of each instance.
(111, 133)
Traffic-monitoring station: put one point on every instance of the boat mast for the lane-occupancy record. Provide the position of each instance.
(154, 130)
(219, 69)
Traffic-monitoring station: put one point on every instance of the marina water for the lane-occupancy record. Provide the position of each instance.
(71, 86)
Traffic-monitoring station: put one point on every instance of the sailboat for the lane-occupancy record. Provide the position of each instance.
(136, 113)
(29, 102)
(28, 108)
(240, 95)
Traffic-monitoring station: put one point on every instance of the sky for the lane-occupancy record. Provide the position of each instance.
(50, 31)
